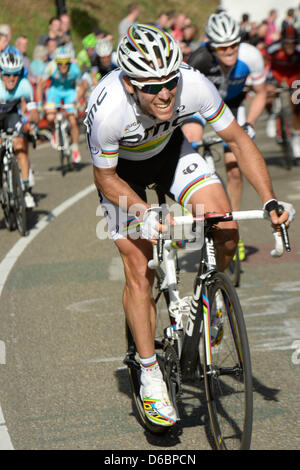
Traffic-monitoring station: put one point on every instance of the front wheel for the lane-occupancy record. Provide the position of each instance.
(18, 198)
(227, 367)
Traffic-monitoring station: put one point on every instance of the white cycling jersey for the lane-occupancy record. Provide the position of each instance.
(116, 126)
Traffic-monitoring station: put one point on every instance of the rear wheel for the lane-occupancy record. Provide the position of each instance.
(227, 368)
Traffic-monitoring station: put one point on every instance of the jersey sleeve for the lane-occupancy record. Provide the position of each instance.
(213, 108)
(255, 61)
(49, 70)
(103, 145)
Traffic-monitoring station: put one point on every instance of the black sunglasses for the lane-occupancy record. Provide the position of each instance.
(10, 74)
(155, 87)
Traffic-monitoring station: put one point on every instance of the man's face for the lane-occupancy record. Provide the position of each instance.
(159, 105)
(55, 27)
(105, 60)
(22, 45)
(227, 55)
(10, 81)
(289, 47)
(63, 68)
(3, 43)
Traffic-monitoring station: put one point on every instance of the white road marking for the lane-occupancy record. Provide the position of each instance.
(2, 354)
(106, 359)
(8, 263)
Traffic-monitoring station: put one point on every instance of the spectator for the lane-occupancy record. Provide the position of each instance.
(65, 25)
(245, 27)
(22, 45)
(189, 44)
(163, 22)
(51, 45)
(132, 16)
(54, 32)
(38, 63)
(177, 28)
(6, 29)
(289, 19)
(3, 42)
(271, 33)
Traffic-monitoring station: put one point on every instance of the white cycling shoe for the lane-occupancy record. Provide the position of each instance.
(29, 200)
(157, 404)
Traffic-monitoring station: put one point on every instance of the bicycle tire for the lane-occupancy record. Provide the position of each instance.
(9, 218)
(288, 154)
(228, 381)
(19, 200)
(134, 373)
(234, 270)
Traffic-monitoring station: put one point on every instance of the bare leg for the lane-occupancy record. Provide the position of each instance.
(138, 300)
(214, 198)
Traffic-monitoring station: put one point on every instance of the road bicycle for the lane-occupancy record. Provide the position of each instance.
(12, 190)
(283, 127)
(234, 269)
(201, 340)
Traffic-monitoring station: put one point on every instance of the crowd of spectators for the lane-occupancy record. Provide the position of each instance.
(176, 23)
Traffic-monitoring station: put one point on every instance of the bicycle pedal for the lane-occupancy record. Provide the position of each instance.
(130, 362)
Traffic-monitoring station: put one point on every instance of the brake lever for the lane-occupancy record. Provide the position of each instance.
(284, 231)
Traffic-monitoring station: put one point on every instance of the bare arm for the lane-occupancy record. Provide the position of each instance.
(258, 103)
(116, 190)
(252, 165)
(39, 89)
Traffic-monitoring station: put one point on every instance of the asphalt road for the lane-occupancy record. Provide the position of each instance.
(62, 381)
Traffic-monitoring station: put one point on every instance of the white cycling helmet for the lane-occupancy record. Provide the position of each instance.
(222, 29)
(11, 63)
(147, 51)
(104, 47)
(62, 55)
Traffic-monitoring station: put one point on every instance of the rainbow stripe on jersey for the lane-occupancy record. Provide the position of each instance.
(187, 190)
(218, 114)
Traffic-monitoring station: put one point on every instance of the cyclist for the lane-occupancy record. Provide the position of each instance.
(104, 58)
(133, 121)
(18, 115)
(64, 77)
(84, 57)
(283, 59)
(228, 64)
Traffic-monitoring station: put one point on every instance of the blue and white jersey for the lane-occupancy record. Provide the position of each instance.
(230, 85)
(60, 81)
(23, 89)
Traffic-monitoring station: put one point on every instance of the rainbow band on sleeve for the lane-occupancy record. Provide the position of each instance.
(109, 153)
(137, 46)
(218, 114)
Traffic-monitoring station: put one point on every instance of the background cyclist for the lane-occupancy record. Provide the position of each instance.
(14, 115)
(133, 123)
(283, 59)
(64, 76)
(228, 64)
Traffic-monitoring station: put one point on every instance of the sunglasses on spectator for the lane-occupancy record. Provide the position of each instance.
(155, 87)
